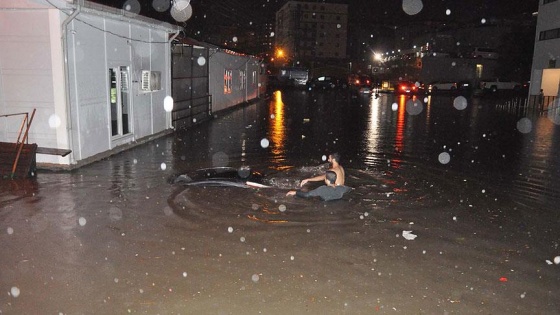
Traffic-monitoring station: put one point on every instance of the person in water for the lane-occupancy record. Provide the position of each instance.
(334, 159)
(327, 192)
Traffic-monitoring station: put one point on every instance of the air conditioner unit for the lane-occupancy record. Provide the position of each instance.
(151, 80)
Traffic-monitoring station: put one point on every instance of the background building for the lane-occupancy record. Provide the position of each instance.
(311, 34)
(545, 72)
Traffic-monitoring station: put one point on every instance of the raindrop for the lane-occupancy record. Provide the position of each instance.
(264, 143)
(444, 158)
(181, 15)
(54, 121)
(524, 125)
(453, 64)
(272, 116)
(230, 229)
(82, 221)
(184, 274)
(255, 278)
(324, 158)
(271, 34)
(220, 159)
(460, 103)
(181, 4)
(134, 161)
(394, 107)
(282, 208)
(338, 26)
(242, 239)
(447, 12)
(161, 5)
(10, 231)
(412, 7)
(234, 39)
(15, 292)
(483, 21)
(523, 295)
(163, 166)
(557, 260)
(292, 258)
(414, 107)
(168, 103)
(132, 6)
(194, 120)
(201, 61)
(115, 214)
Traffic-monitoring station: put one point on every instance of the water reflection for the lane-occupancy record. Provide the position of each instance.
(277, 125)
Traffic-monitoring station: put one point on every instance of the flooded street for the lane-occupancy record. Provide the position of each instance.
(477, 185)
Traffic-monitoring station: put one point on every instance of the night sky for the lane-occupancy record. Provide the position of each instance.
(240, 12)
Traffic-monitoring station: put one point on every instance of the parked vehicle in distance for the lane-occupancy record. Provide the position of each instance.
(406, 87)
(482, 52)
(499, 85)
(442, 86)
(361, 84)
(323, 82)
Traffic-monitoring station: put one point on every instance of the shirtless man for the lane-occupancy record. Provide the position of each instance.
(334, 158)
(326, 192)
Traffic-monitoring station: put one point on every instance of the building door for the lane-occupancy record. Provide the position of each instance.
(119, 101)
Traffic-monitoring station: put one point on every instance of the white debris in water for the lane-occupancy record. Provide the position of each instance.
(282, 208)
(242, 239)
(163, 166)
(230, 229)
(15, 291)
(184, 274)
(82, 221)
(116, 280)
(408, 235)
(548, 262)
(308, 230)
(292, 258)
(255, 278)
(265, 250)
(264, 143)
(10, 231)
(522, 295)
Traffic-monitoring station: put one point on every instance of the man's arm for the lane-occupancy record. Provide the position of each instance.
(313, 179)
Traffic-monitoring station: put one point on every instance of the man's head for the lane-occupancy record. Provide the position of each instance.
(334, 156)
(330, 178)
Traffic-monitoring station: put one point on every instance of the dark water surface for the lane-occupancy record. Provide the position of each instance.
(477, 185)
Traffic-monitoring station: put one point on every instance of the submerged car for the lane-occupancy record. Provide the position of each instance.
(243, 177)
(442, 86)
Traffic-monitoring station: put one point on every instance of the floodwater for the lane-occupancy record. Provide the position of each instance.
(454, 211)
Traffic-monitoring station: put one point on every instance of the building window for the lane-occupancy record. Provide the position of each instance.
(549, 34)
(242, 79)
(227, 81)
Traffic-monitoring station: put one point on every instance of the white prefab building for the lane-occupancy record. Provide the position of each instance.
(545, 72)
(97, 77)
(233, 78)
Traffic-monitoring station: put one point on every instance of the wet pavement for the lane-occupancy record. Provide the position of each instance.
(477, 187)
